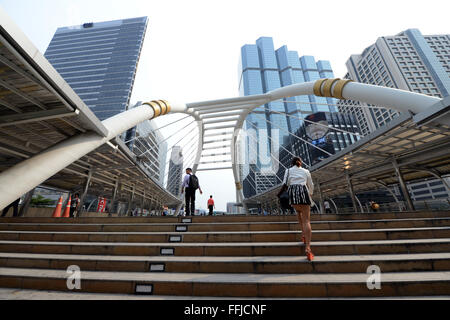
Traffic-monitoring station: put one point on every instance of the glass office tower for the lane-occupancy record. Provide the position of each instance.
(263, 69)
(99, 61)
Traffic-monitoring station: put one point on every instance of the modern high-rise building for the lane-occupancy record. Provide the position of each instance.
(326, 132)
(175, 175)
(147, 143)
(99, 61)
(408, 61)
(263, 69)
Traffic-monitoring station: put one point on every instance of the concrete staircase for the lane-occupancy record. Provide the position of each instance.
(230, 256)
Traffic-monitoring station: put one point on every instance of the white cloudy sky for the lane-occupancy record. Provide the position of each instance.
(192, 48)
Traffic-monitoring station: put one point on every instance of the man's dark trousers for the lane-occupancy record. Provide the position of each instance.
(190, 201)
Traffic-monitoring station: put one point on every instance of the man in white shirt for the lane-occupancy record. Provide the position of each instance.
(190, 185)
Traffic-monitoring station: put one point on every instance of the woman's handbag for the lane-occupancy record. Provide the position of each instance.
(283, 192)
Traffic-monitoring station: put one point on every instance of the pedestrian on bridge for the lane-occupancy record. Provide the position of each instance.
(327, 207)
(211, 205)
(74, 206)
(300, 188)
(190, 186)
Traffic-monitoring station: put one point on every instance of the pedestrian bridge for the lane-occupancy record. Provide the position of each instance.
(48, 136)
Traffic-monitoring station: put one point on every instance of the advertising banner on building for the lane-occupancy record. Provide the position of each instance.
(317, 132)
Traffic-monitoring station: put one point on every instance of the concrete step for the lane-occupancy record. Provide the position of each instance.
(155, 227)
(231, 218)
(228, 226)
(231, 256)
(233, 285)
(21, 294)
(320, 248)
(230, 236)
(286, 264)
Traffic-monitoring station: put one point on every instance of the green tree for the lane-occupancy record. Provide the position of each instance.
(40, 201)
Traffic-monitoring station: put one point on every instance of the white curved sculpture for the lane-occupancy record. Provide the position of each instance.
(34, 171)
(400, 100)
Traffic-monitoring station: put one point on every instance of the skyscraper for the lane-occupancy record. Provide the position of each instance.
(408, 61)
(175, 175)
(99, 61)
(263, 69)
(148, 144)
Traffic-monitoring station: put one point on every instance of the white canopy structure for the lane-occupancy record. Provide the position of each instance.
(49, 100)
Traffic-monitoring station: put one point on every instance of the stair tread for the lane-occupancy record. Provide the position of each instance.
(247, 278)
(211, 269)
(294, 221)
(233, 244)
(237, 218)
(231, 259)
(225, 232)
(27, 294)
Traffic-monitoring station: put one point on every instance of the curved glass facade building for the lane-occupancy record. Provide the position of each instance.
(271, 130)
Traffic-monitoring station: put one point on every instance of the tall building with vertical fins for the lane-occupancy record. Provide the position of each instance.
(409, 61)
(279, 124)
(99, 61)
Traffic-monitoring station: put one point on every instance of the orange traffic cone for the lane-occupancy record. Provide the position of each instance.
(57, 212)
(67, 210)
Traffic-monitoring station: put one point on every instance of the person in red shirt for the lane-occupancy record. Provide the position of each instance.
(211, 205)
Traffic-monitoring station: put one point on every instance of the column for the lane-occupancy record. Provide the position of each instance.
(150, 206)
(142, 203)
(130, 202)
(409, 203)
(352, 194)
(26, 203)
(321, 206)
(114, 196)
(85, 191)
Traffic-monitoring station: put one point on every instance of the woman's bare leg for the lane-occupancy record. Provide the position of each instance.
(305, 220)
(299, 217)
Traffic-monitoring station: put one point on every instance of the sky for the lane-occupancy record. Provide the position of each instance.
(191, 50)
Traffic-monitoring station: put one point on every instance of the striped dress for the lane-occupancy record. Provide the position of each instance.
(299, 181)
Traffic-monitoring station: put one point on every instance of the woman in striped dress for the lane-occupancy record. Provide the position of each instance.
(300, 190)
